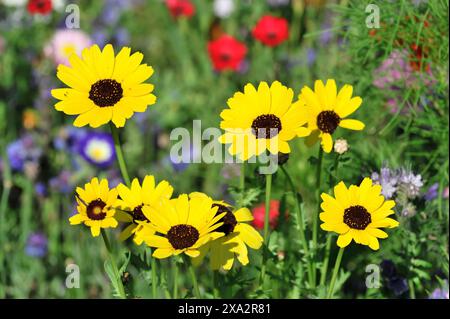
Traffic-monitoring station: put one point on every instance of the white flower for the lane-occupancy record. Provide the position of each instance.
(13, 3)
(223, 8)
(340, 146)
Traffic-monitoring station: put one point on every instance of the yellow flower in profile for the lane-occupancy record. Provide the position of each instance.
(183, 224)
(327, 110)
(357, 213)
(237, 236)
(262, 119)
(104, 87)
(132, 201)
(96, 204)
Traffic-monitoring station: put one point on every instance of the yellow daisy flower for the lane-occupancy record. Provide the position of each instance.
(357, 213)
(132, 201)
(104, 87)
(184, 225)
(327, 110)
(95, 206)
(237, 236)
(262, 119)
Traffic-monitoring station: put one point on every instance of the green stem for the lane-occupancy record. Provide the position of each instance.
(412, 291)
(194, 281)
(301, 225)
(267, 210)
(154, 285)
(266, 226)
(113, 265)
(119, 153)
(315, 216)
(175, 281)
(335, 273)
(323, 275)
(242, 181)
(215, 284)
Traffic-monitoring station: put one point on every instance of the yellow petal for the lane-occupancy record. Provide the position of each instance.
(249, 235)
(327, 142)
(352, 124)
(243, 215)
(161, 253)
(344, 240)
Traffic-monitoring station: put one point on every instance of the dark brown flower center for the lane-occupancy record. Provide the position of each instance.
(229, 221)
(328, 121)
(266, 126)
(182, 236)
(357, 217)
(138, 215)
(106, 92)
(225, 57)
(95, 210)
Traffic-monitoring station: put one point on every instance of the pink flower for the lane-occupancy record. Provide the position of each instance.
(396, 70)
(64, 43)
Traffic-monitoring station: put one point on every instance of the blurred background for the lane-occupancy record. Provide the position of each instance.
(399, 69)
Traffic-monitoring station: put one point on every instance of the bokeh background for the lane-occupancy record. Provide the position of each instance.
(400, 70)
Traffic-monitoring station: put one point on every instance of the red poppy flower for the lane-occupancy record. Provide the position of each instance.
(271, 30)
(39, 6)
(226, 53)
(260, 211)
(179, 8)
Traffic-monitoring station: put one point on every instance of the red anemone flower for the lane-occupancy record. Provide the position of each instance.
(226, 53)
(39, 6)
(260, 211)
(271, 31)
(180, 8)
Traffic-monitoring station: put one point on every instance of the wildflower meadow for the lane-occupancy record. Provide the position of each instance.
(224, 149)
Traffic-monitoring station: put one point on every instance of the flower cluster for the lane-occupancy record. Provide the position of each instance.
(266, 118)
(400, 184)
(192, 224)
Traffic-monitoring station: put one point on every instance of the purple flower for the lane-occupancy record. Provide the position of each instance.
(37, 245)
(410, 183)
(98, 148)
(100, 38)
(440, 293)
(61, 183)
(22, 151)
(388, 180)
(432, 192)
(310, 56)
(398, 285)
(181, 162)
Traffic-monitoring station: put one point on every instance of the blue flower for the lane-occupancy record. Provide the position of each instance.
(37, 245)
(432, 192)
(21, 151)
(68, 138)
(98, 148)
(397, 284)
